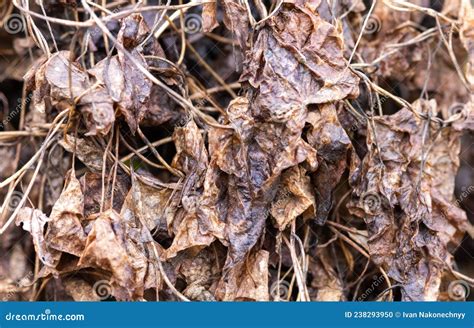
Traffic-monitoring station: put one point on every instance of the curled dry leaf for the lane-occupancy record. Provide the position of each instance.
(286, 71)
(109, 233)
(136, 88)
(403, 194)
(236, 19)
(60, 82)
(294, 198)
(65, 232)
(246, 281)
(34, 221)
(332, 145)
(209, 17)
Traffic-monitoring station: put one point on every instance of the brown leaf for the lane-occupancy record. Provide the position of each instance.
(209, 16)
(294, 197)
(148, 205)
(136, 89)
(84, 149)
(33, 221)
(297, 60)
(106, 249)
(65, 232)
(236, 20)
(332, 144)
(66, 79)
(246, 281)
(402, 200)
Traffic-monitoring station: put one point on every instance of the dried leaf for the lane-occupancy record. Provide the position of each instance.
(246, 281)
(106, 248)
(294, 197)
(65, 232)
(85, 150)
(33, 221)
(209, 16)
(400, 201)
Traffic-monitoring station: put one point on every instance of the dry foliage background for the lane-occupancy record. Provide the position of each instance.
(236, 150)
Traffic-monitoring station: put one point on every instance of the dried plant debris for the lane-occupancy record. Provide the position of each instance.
(236, 150)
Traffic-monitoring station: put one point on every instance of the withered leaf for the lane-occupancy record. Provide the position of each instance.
(209, 16)
(106, 249)
(246, 281)
(403, 202)
(236, 19)
(85, 150)
(58, 69)
(294, 197)
(33, 221)
(332, 144)
(65, 232)
(136, 87)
